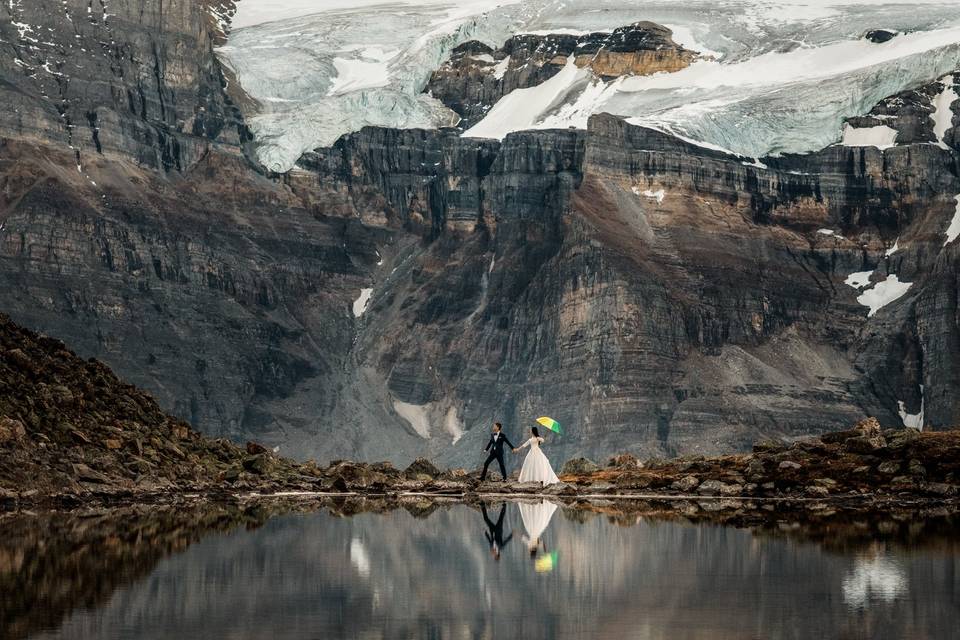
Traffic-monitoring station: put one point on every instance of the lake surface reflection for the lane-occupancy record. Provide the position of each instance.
(456, 571)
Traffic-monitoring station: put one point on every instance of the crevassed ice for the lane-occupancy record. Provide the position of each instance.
(781, 76)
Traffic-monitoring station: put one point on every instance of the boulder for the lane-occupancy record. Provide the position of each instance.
(601, 487)
(61, 394)
(11, 431)
(447, 487)
(259, 464)
(624, 462)
(83, 473)
(421, 468)
(560, 489)
(686, 484)
(865, 445)
(900, 438)
(255, 449)
(20, 360)
(521, 487)
(755, 469)
(889, 468)
(878, 36)
(788, 465)
(716, 487)
(231, 475)
(816, 491)
(579, 466)
(767, 446)
(916, 468)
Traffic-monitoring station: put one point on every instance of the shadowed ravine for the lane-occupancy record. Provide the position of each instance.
(368, 568)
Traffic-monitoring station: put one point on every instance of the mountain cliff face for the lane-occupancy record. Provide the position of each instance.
(395, 293)
(650, 291)
(138, 80)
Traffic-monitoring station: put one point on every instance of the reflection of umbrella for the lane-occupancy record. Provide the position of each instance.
(536, 517)
(545, 564)
(550, 423)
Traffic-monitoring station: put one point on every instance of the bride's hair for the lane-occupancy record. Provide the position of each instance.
(536, 432)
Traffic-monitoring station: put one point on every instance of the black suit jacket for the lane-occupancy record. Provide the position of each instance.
(498, 444)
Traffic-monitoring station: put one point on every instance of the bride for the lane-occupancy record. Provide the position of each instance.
(536, 467)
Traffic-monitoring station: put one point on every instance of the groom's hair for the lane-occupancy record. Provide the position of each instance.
(498, 426)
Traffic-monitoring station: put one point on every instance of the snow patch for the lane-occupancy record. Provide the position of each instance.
(501, 69)
(858, 280)
(827, 232)
(522, 108)
(942, 113)
(453, 425)
(360, 304)
(896, 246)
(883, 293)
(912, 420)
(657, 195)
(954, 229)
(416, 415)
(880, 136)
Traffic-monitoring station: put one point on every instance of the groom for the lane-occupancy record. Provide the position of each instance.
(495, 447)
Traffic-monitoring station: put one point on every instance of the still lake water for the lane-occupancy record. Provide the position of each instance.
(183, 575)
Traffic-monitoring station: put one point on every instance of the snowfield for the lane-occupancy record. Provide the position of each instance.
(775, 77)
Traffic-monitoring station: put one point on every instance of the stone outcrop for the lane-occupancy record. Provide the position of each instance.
(477, 76)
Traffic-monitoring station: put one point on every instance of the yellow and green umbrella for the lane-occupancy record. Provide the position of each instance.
(545, 564)
(550, 423)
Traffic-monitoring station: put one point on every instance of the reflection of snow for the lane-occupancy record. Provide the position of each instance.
(536, 517)
(871, 579)
(359, 557)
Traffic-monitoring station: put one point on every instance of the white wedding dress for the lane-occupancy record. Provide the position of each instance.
(536, 467)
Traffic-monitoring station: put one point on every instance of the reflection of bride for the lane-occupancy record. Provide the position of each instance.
(536, 467)
(536, 518)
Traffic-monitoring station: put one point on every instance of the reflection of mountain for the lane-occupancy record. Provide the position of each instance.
(396, 576)
(53, 563)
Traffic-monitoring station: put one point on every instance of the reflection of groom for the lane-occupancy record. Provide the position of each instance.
(495, 447)
(495, 536)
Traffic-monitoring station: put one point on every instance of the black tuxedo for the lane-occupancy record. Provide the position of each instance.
(495, 536)
(495, 447)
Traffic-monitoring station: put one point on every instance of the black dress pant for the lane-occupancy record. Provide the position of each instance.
(499, 458)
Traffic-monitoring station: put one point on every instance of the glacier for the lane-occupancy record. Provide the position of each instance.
(775, 76)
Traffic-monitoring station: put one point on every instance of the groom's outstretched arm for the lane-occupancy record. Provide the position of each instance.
(506, 440)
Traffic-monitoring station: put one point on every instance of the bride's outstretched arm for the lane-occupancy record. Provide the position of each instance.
(525, 444)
